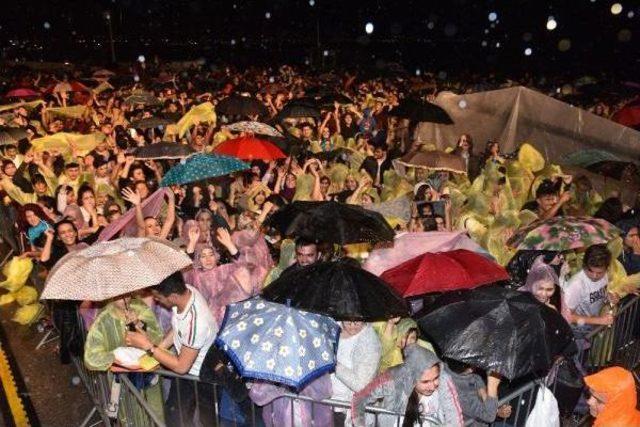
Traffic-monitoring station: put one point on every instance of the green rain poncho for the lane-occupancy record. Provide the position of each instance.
(106, 334)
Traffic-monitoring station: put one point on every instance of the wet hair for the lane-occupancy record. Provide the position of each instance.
(174, 284)
(547, 188)
(38, 178)
(303, 241)
(6, 163)
(84, 188)
(63, 221)
(48, 202)
(597, 256)
(610, 210)
(71, 165)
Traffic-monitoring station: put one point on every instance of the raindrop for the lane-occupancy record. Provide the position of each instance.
(462, 104)
(368, 28)
(527, 51)
(616, 8)
(630, 14)
(46, 25)
(484, 43)
(497, 44)
(418, 72)
(325, 53)
(430, 25)
(141, 58)
(271, 79)
(267, 15)
(493, 16)
(551, 23)
(233, 41)
(312, 2)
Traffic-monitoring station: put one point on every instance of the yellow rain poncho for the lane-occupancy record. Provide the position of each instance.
(106, 334)
(63, 142)
(73, 112)
(26, 105)
(16, 272)
(203, 113)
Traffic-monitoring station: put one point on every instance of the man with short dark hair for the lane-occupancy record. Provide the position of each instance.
(193, 331)
(377, 164)
(630, 257)
(307, 252)
(547, 203)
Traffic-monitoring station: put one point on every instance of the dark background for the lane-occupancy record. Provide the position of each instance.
(191, 29)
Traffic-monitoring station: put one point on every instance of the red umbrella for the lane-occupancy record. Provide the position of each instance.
(629, 115)
(249, 148)
(443, 271)
(22, 92)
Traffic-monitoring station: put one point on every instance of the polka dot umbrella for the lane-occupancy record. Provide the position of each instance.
(202, 166)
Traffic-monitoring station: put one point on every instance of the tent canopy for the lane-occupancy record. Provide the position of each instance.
(516, 115)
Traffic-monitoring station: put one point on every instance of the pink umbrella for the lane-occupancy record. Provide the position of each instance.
(410, 245)
(22, 92)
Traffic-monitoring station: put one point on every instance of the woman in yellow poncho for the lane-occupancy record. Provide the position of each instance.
(107, 333)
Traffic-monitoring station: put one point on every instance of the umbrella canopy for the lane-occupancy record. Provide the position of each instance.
(331, 222)
(410, 245)
(273, 342)
(250, 148)
(329, 99)
(421, 111)
(497, 329)
(442, 272)
(611, 168)
(435, 160)
(103, 73)
(340, 289)
(202, 166)
(74, 86)
(144, 98)
(236, 105)
(584, 158)
(629, 115)
(108, 269)
(151, 122)
(256, 128)
(163, 150)
(22, 93)
(10, 135)
(298, 109)
(563, 234)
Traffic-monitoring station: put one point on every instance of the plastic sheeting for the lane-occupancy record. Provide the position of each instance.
(519, 114)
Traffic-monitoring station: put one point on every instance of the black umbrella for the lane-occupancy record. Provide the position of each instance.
(151, 122)
(421, 111)
(498, 329)
(236, 105)
(340, 289)
(144, 98)
(163, 150)
(331, 222)
(329, 99)
(298, 109)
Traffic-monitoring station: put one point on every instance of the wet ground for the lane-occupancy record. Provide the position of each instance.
(57, 401)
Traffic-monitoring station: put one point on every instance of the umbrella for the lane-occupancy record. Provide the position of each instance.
(629, 115)
(273, 342)
(298, 109)
(236, 105)
(611, 168)
(163, 150)
(329, 99)
(109, 269)
(151, 122)
(22, 93)
(435, 160)
(250, 148)
(442, 272)
(584, 158)
(421, 111)
(339, 152)
(255, 127)
(340, 289)
(497, 329)
(103, 74)
(410, 245)
(331, 222)
(9, 135)
(73, 86)
(144, 98)
(202, 166)
(563, 234)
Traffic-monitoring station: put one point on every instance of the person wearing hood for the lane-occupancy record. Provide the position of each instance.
(420, 388)
(613, 398)
(630, 258)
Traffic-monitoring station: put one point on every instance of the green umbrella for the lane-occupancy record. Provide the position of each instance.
(202, 166)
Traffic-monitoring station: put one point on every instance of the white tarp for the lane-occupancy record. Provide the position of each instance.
(516, 115)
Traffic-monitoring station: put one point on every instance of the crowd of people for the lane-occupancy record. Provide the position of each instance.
(72, 178)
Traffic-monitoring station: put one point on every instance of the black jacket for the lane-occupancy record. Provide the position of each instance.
(370, 166)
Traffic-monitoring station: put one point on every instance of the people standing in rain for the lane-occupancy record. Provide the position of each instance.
(193, 330)
(420, 388)
(613, 398)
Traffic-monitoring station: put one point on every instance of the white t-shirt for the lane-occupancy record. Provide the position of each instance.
(585, 297)
(345, 348)
(195, 328)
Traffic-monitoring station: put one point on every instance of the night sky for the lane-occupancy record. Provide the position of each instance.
(455, 33)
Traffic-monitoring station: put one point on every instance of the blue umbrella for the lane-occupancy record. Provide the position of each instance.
(202, 166)
(276, 343)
